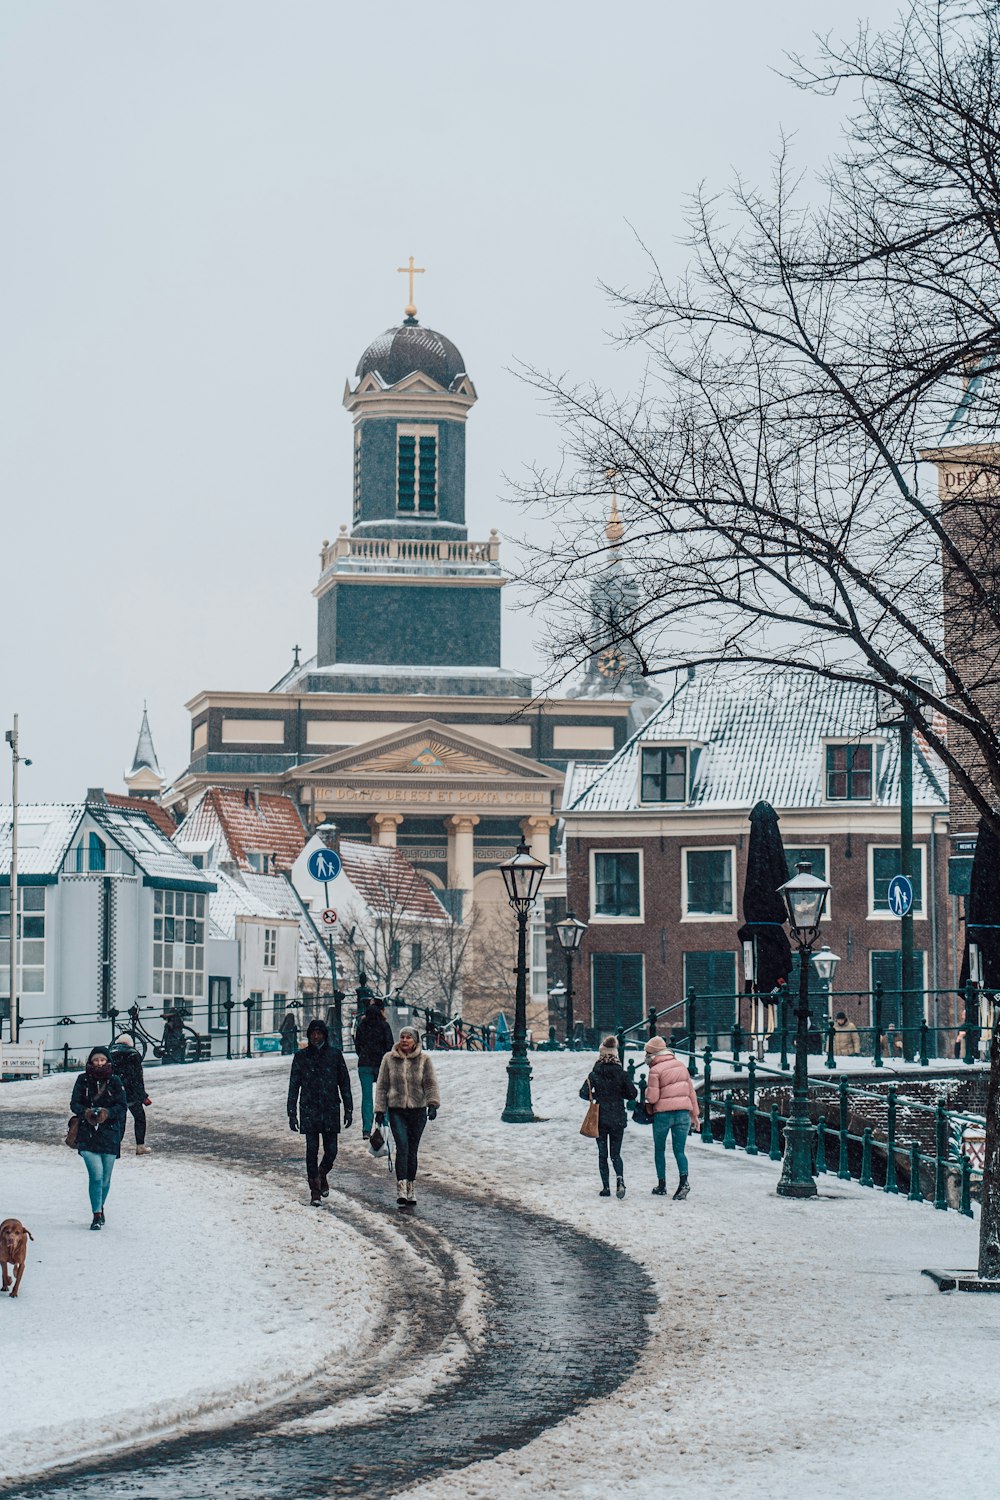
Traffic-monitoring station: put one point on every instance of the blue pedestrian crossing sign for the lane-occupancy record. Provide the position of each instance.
(325, 864)
(900, 895)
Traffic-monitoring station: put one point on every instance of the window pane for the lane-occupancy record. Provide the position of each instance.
(32, 898)
(32, 981)
(664, 774)
(710, 882)
(32, 953)
(617, 884)
(32, 927)
(816, 857)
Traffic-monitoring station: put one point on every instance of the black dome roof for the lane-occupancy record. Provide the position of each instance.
(401, 351)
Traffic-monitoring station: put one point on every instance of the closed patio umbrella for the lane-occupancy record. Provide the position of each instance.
(982, 916)
(764, 913)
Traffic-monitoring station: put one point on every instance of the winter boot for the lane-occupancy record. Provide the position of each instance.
(324, 1185)
(660, 1189)
(411, 1196)
(620, 1189)
(315, 1201)
(143, 1150)
(96, 1222)
(402, 1196)
(682, 1188)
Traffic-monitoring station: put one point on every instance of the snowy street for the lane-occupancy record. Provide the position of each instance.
(769, 1339)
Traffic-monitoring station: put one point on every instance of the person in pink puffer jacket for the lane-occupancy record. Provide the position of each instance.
(673, 1104)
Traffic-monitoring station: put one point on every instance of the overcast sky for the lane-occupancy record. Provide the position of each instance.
(204, 206)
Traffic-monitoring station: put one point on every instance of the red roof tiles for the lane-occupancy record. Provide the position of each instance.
(388, 883)
(266, 824)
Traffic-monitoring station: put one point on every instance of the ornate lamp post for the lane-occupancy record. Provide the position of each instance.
(248, 1007)
(805, 896)
(229, 1006)
(522, 876)
(570, 934)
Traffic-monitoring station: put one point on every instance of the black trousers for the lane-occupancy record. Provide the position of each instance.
(610, 1140)
(407, 1126)
(315, 1167)
(139, 1116)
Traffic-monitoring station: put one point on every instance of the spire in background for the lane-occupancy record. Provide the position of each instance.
(145, 778)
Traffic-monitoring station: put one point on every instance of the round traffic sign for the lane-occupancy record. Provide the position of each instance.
(325, 864)
(900, 895)
(329, 917)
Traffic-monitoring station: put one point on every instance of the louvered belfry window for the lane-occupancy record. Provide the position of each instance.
(416, 471)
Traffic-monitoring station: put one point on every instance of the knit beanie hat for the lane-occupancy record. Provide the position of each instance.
(655, 1045)
(609, 1050)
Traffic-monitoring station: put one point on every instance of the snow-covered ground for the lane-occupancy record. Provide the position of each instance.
(201, 1299)
(796, 1349)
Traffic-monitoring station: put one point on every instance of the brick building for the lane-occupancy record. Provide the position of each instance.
(656, 842)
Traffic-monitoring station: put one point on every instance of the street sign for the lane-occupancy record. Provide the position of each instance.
(325, 864)
(329, 917)
(900, 895)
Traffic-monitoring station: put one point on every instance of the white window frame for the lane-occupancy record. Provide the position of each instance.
(831, 742)
(712, 916)
(665, 745)
(919, 912)
(595, 915)
(270, 947)
(418, 430)
(827, 914)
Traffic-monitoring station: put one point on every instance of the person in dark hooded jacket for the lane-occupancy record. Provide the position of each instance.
(610, 1085)
(319, 1072)
(372, 1040)
(126, 1064)
(100, 1107)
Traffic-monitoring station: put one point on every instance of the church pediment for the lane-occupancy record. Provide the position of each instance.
(431, 752)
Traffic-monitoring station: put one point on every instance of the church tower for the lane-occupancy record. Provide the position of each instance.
(145, 778)
(404, 597)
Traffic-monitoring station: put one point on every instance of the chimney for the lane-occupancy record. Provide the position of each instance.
(96, 794)
(330, 835)
(256, 800)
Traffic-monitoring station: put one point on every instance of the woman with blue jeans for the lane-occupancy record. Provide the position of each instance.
(101, 1109)
(673, 1104)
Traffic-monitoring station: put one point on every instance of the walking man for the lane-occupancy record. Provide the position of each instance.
(126, 1064)
(319, 1073)
(372, 1040)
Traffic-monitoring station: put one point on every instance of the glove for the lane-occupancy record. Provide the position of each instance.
(90, 1115)
(293, 1123)
(380, 1117)
(102, 1115)
(432, 1111)
(348, 1118)
(147, 1101)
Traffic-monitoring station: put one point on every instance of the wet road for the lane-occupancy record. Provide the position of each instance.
(549, 1346)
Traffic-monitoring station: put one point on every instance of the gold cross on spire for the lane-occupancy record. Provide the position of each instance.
(411, 270)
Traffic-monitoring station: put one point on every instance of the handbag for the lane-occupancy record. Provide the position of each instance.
(72, 1131)
(592, 1119)
(376, 1142)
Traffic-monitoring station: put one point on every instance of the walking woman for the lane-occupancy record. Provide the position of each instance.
(610, 1085)
(126, 1064)
(407, 1090)
(673, 1104)
(100, 1107)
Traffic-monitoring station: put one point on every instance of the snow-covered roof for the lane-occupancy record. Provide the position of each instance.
(46, 831)
(163, 819)
(759, 736)
(240, 823)
(384, 879)
(145, 756)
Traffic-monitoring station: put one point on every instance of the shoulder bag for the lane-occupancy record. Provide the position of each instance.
(72, 1131)
(592, 1119)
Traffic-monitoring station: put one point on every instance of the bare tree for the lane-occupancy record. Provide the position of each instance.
(393, 936)
(773, 509)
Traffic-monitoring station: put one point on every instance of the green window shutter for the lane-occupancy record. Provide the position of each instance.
(406, 473)
(712, 976)
(428, 474)
(617, 990)
(885, 864)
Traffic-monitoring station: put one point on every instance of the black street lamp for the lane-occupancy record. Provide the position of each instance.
(248, 1007)
(229, 1006)
(570, 934)
(522, 876)
(805, 898)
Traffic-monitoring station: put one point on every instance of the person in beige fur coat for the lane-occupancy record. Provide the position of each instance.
(407, 1092)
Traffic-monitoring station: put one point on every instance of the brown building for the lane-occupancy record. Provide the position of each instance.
(656, 843)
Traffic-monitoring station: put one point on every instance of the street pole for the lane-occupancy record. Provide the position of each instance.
(569, 997)
(797, 1180)
(909, 1004)
(15, 1017)
(518, 1109)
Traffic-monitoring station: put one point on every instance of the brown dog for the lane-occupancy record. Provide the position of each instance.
(13, 1251)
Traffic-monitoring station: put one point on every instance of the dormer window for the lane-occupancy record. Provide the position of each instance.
(261, 863)
(416, 470)
(664, 773)
(849, 773)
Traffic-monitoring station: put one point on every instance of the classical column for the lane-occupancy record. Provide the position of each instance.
(383, 827)
(536, 836)
(461, 857)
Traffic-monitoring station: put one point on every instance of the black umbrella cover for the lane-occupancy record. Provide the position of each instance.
(764, 913)
(982, 908)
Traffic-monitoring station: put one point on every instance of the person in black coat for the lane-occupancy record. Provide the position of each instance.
(289, 1034)
(318, 1073)
(173, 1043)
(610, 1085)
(372, 1040)
(126, 1064)
(100, 1108)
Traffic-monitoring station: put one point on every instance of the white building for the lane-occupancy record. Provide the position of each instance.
(112, 915)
